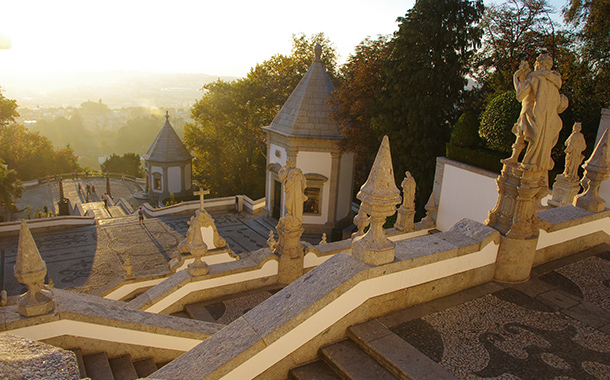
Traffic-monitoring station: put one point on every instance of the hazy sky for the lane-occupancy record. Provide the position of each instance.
(214, 37)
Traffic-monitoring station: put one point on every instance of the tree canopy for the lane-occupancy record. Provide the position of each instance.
(129, 164)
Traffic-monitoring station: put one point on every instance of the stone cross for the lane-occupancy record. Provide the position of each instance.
(201, 194)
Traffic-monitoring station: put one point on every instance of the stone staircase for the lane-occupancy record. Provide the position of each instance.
(371, 351)
(99, 367)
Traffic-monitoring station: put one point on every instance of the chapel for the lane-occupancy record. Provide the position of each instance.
(303, 133)
(168, 165)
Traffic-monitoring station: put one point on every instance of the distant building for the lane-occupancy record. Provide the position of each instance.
(303, 132)
(168, 165)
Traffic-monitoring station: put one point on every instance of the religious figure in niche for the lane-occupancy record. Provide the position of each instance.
(575, 144)
(541, 103)
(294, 189)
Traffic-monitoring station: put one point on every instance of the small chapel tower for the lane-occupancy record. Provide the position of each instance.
(167, 165)
(303, 133)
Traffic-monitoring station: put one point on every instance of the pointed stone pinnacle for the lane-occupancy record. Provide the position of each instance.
(29, 266)
(380, 186)
(601, 154)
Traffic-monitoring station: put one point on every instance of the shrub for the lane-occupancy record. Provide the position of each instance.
(466, 131)
(497, 122)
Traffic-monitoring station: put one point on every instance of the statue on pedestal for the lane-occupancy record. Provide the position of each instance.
(294, 186)
(575, 145)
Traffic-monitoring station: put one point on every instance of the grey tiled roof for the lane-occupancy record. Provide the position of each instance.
(306, 112)
(167, 146)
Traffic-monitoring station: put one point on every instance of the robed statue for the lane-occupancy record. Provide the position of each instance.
(294, 190)
(575, 144)
(541, 103)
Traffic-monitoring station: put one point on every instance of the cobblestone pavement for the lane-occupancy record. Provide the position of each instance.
(90, 258)
(555, 326)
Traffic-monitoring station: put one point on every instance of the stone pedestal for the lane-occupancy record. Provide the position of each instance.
(290, 250)
(564, 191)
(515, 259)
(405, 220)
(520, 191)
(374, 247)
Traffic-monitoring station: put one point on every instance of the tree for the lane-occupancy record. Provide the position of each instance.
(430, 55)
(8, 110)
(592, 18)
(226, 137)
(11, 188)
(514, 31)
(129, 164)
(355, 103)
(497, 122)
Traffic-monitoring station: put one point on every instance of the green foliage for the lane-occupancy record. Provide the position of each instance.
(466, 131)
(8, 110)
(497, 122)
(11, 188)
(476, 156)
(226, 137)
(129, 164)
(355, 103)
(424, 77)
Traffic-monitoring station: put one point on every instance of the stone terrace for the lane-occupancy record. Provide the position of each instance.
(554, 326)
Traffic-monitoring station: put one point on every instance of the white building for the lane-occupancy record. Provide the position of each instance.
(168, 165)
(303, 131)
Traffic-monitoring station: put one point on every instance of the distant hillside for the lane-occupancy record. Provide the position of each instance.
(116, 89)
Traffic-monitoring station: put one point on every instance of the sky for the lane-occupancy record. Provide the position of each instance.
(197, 36)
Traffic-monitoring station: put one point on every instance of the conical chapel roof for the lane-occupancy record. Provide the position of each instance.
(167, 146)
(306, 112)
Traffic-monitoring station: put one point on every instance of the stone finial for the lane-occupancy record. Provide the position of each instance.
(318, 52)
(323, 241)
(362, 221)
(128, 268)
(430, 219)
(271, 241)
(3, 298)
(167, 116)
(406, 212)
(31, 270)
(597, 170)
(379, 196)
(198, 249)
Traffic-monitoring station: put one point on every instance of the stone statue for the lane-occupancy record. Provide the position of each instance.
(575, 144)
(294, 187)
(408, 190)
(406, 212)
(541, 103)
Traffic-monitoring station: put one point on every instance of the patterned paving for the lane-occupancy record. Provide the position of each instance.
(87, 259)
(556, 326)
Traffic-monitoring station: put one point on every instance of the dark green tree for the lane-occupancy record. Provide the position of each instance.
(430, 55)
(129, 164)
(11, 188)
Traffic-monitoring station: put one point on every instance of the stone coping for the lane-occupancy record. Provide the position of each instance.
(307, 297)
(248, 262)
(99, 311)
(12, 228)
(470, 168)
(556, 219)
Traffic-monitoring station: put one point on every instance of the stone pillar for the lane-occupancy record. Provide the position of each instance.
(379, 196)
(597, 170)
(520, 190)
(30, 270)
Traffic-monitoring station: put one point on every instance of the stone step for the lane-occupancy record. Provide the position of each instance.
(116, 211)
(317, 370)
(79, 359)
(199, 312)
(398, 356)
(262, 225)
(97, 366)
(122, 368)
(145, 367)
(351, 362)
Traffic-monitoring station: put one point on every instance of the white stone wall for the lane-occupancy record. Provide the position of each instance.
(274, 151)
(174, 179)
(465, 194)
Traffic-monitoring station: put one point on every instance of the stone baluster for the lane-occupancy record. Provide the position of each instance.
(597, 170)
(271, 243)
(406, 213)
(30, 270)
(198, 249)
(379, 196)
